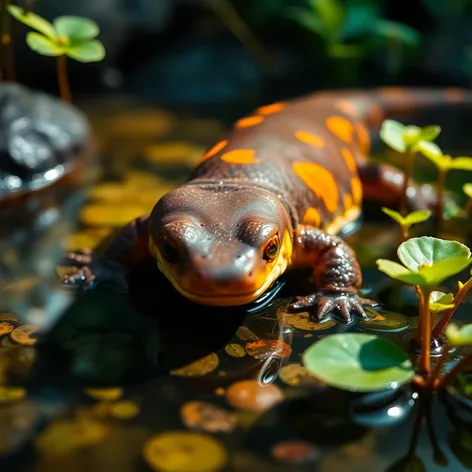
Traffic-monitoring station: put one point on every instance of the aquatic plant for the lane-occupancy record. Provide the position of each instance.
(67, 36)
(445, 163)
(405, 222)
(338, 23)
(361, 362)
(409, 140)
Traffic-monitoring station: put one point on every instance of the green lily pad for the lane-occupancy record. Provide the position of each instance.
(384, 321)
(358, 362)
(440, 301)
(461, 163)
(91, 51)
(467, 188)
(42, 45)
(76, 28)
(33, 21)
(391, 133)
(459, 336)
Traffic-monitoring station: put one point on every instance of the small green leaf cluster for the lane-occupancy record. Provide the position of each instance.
(70, 36)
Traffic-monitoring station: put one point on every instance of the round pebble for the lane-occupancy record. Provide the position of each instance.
(250, 395)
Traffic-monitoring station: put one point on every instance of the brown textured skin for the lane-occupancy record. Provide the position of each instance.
(221, 219)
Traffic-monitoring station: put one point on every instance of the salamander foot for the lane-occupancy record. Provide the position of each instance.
(322, 304)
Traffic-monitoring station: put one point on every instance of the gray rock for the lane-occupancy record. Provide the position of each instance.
(41, 139)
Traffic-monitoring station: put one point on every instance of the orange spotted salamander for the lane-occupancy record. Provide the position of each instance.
(273, 195)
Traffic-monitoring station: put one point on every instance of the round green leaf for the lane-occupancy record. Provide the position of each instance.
(430, 133)
(394, 215)
(391, 133)
(91, 51)
(33, 21)
(42, 45)
(76, 28)
(467, 188)
(431, 151)
(459, 336)
(398, 272)
(425, 251)
(440, 301)
(358, 362)
(461, 163)
(442, 270)
(418, 216)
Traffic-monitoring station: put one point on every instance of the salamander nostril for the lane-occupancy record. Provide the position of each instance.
(250, 273)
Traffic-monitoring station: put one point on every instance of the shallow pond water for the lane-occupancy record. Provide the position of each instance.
(115, 371)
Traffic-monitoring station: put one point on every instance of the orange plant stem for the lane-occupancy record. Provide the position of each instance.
(425, 360)
(64, 89)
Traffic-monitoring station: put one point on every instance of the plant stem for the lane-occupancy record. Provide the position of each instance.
(410, 157)
(419, 328)
(425, 359)
(462, 364)
(62, 77)
(437, 368)
(405, 232)
(447, 317)
(440, 197)
(468, 206)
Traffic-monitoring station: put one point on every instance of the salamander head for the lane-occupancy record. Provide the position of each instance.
(221, 248)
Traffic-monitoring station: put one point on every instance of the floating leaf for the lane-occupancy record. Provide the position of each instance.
(91, 51)
(358, 362)
(461, 163)
(200, 367)
(467, 188)
(296, 375)
(76, 28)
(384, 321)
(33, 21)
(42, 45)
(207, 417)
(264, 348)
(459, 336)
(251, 395)
(235, 350)
(440, 301)
(191, 451)
(391, 134)
(295, 452)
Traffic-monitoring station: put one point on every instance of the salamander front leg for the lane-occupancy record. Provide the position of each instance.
(110, 267)
(336, 272)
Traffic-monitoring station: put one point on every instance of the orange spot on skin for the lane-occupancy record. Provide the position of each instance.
(312, 217)
(346, 107)
(320, 181)
(350, 161)
(454, 94)
(310, 138)
(347, 200)
(364, 138)
(240, 156)
(249, 121)
(341, 127)
(269, 109)
(356, 187)
(213, 151)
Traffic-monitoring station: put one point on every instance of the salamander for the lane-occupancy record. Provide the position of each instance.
(272, 195)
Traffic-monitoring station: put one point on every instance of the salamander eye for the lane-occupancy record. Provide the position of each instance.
(169, 252)
(272, 249)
